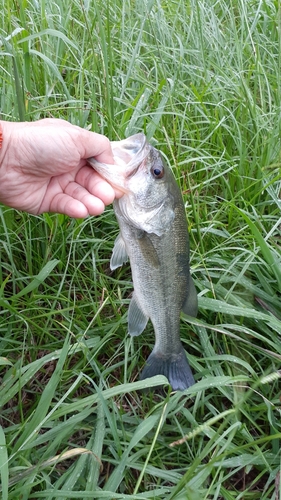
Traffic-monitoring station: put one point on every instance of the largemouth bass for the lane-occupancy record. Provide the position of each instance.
(154, 236)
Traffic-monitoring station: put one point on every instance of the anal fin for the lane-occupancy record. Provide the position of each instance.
(190, 306)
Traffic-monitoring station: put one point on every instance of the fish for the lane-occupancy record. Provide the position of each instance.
(154, 237)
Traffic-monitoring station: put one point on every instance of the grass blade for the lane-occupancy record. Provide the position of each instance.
(4, 468)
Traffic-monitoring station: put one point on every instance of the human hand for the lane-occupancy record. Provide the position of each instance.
(43, 168)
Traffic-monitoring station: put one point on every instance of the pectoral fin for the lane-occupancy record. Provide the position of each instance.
(119, 254)
(190, 306)
(148, 250)
(137, 320)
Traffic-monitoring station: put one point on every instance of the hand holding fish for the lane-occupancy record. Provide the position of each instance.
(43, 168)
(154, 236)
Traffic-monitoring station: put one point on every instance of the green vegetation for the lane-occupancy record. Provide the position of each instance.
(202, 80)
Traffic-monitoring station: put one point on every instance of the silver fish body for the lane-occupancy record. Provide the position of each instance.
(154, 236)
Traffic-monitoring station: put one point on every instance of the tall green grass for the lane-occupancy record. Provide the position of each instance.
(202, 80)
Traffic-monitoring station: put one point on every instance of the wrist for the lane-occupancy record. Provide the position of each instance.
(6, 143)
(2, 142)
(4, 139)
(7, 160)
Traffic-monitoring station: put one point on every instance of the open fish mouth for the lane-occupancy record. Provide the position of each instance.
(131, 151)
(129, 155)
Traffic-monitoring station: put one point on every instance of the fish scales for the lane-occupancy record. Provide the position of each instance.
(154, 236)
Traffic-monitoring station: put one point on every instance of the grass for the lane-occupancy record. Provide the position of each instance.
(202, 79)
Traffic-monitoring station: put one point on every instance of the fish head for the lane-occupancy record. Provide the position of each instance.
(140, 172)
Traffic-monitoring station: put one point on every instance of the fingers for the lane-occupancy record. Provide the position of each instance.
(86, 195)
(95, 185)
(64, 204)
(76, 202)
(94, 203)
(96, 145)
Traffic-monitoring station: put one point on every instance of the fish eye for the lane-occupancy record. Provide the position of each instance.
(157, 172)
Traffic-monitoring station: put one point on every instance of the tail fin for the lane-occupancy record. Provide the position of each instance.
(175, 367)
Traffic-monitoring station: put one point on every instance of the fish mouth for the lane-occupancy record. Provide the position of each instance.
(114, 174)
(129, 154)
